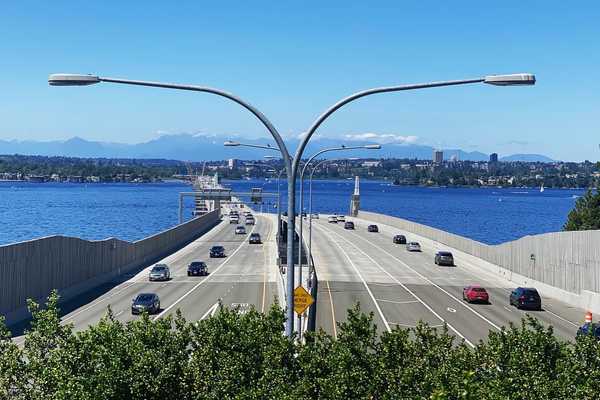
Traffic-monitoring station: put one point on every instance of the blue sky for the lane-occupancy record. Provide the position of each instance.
(294, 59)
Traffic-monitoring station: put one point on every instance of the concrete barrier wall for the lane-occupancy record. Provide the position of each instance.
(566, 260)
(34, 268)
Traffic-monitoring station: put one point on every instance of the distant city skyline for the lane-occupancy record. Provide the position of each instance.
(292, 61)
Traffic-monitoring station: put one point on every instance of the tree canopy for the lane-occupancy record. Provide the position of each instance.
(586, 214)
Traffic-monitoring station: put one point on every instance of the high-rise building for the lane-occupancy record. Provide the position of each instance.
(494, 157)
(232, 163)
(438, 156)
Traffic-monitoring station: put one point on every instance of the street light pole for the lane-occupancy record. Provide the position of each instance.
(291, 164)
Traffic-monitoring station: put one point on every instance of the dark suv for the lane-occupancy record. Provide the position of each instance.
(148, 302)
(254, 238)
(444, 258)
(400, 239)
(527, 298)
(197, 268)
(348, 225)
(217, 251)
(373, 228)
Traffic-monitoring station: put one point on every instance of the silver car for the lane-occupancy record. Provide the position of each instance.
(240, 230)
(413, 246)
(160, 272)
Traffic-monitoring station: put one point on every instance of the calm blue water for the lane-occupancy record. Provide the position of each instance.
(132, 212)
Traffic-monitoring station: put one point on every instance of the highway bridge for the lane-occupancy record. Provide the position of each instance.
(399, 287)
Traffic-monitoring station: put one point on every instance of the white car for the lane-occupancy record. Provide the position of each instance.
(413, 246)
(332, 219)
(160, 272)
(341, 218)
(240, 230)
(314, 216)
(234, 220)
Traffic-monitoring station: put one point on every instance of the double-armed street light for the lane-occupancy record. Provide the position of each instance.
(291, 163)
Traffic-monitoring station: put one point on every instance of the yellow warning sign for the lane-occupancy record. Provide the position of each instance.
(302, 300)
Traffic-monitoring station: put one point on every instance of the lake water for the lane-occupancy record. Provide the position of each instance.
(134, 211)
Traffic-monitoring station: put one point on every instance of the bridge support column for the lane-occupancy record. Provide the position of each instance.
(355, 201)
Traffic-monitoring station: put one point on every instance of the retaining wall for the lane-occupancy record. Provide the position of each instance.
(568, 261)
(34, 268)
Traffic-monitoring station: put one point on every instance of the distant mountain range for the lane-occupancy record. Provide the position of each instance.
(210, 147)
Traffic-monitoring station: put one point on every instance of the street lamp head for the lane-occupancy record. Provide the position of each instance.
(231, 143)
(72, 80)
(510, 80)
(372, 146)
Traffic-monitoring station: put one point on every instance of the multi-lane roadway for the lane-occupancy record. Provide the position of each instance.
(402, 288)
(247, 276)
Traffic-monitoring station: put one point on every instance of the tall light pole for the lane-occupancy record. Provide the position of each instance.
(278, 201)
(291, 164)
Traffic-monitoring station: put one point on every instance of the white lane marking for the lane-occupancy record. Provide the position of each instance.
(119, 313)
(467, 341)
(398, 302)
(452, 310)
(561, 318)
(431, 283)
(507, 308)
(211, 311)
(204, 280)
(387, 326)
(94, 303)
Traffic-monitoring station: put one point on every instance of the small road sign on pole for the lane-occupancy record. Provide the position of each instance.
(302, 300)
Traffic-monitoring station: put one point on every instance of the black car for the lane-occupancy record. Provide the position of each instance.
(348, 225)
(254, 238)
(148, 302)
(444, 258)
(589, 328)
(197, 268)
(400, 239)
(373, 228)
(527, 298)
(217, 251)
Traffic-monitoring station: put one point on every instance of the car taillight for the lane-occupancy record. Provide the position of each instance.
(522, 298)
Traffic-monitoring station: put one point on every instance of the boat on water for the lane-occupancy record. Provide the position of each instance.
(542, 188)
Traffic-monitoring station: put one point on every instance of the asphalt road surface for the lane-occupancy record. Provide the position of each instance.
(402, 288)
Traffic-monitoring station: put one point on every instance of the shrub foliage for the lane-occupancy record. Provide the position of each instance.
(233, 356)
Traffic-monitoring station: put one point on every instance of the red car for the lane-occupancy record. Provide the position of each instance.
(475, 294)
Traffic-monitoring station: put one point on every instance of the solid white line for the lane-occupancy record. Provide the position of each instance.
(204, 280)
(467, 341)
(387, 326)
(432, 283)
(561, 318)
(211, 311)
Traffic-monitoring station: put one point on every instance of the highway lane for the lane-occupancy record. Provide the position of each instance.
(441, 287)
(251, 268)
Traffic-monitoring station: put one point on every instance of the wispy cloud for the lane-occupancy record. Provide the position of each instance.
(384, 138)
(518, 142)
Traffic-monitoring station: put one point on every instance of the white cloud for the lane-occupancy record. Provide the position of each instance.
(384, 138)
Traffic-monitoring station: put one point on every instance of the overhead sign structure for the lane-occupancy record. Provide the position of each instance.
(302, 300)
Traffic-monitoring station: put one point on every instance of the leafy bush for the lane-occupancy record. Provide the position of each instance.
(233, 356)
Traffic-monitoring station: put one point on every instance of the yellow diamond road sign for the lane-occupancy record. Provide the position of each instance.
(302, 300)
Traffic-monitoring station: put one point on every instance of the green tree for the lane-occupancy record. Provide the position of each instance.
(586, 214)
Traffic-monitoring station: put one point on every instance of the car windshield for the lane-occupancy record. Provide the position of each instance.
(530, 292)
(158, 268)
(478, 289)
(444, 253)
(217, 248)
(145, 297)
(197, 264)
(414, 243)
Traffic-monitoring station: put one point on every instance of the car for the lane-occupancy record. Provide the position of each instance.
(250, 221)
(314, 216)
(525, 298)
(197, 268)
(254, 238)
(234, 220)
(444, 258)
(348, 225)
(145, 302)
(589, 328)
(240, 230)
(340, 218)
(303, 215)
(413, 246)
(332, 219)
(159, 272)
(233, 213)
(217, 252)
(373, 228)
(247, 213)
(284, 214)
(475, 294)
(399, 239)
